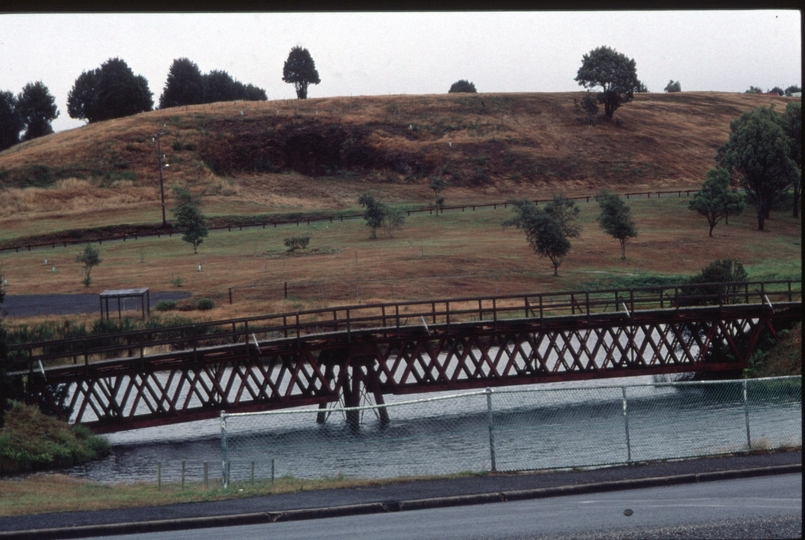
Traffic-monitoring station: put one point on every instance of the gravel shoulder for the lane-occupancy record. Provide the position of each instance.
(400, 491)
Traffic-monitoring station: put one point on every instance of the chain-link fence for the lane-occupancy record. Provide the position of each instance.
(515, 429)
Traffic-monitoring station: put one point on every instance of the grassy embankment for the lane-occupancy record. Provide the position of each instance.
(31, 441)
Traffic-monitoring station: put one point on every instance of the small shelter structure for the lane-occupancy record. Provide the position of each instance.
(142, 293)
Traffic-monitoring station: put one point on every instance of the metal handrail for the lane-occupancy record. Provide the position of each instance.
(393, 316)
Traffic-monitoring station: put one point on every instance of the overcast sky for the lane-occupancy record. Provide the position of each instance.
(407, 53)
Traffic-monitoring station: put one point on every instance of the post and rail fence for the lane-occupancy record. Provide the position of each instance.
(17, 247)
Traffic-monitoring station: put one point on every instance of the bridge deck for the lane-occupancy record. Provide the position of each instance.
(159, 377)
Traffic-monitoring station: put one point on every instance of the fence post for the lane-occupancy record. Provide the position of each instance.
(626, 424)
(224, 455)
(183, 471)
(746, 416)
(491, 428)
(159, 475)
(206, 476)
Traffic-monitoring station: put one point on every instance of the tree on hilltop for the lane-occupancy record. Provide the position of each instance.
(300, 70)
(462, 86)
(613, 72)
(38, 108)
(673, 86)
(185, 85)
(111, 91)
(11, 122)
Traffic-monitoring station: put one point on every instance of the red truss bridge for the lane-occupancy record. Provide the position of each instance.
(183, 373)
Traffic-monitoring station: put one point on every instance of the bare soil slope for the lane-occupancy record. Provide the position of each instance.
(319, 153)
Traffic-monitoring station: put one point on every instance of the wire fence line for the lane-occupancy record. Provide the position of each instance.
(512, 430)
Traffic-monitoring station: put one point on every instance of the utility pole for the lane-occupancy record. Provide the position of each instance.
(161, 184)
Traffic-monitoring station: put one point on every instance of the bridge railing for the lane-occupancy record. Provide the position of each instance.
(393, 317)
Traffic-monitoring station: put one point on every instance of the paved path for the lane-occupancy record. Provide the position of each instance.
(394, 497)
(30, 305)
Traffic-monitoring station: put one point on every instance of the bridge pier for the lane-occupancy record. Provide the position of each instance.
(351, 362)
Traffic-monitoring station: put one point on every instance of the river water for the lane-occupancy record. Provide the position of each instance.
(533, 427)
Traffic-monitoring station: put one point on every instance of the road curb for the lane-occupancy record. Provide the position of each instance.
(389, 506)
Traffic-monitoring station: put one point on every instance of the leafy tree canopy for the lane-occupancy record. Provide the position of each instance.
(759, 154)
(673, 86)
(716, 201)
(792, 89)
(11, 122)
(566, 213)
(613, 72)
(793, 128)
(89, 258)
(189, 218)
(300, 70)
(615, 219)
(185, 85)
(754, 90)
(543, 230)
(777, 90)
(374, 213)
(38, 108)
(462, 86)
(111, 91)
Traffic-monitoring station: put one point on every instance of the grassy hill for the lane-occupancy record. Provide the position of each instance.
(301, 155)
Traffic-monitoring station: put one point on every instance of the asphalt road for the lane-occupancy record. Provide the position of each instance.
(30, 305)
(765, 507)
(402, 498)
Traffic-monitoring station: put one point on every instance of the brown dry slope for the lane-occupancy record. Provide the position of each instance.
(280, 156)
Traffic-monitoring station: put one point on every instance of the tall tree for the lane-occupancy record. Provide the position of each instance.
(189, 218)
(615, 220)
(758, 153)
(543, 231)
(374, 213)
(716, 201)
(185, 85)
(37, 108)
(613, 72)
(219, 86)
(253, 93)
(89, 258)
(112, 91)
(565, 212)
(10, 120)
(793, 128)
(82, 98)
(462, 86)
(673, 86)
(300, 70)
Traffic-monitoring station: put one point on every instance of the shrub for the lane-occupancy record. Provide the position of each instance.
(296, 242)
(205, 304)
(166, 305)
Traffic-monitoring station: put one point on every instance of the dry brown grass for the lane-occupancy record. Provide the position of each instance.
(658, 140)
(455, 254)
